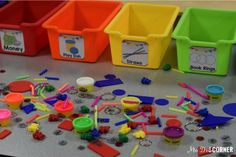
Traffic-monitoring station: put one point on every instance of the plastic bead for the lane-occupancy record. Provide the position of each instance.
(123, 138)
(124, 129)
(33, 127)
(84, 109)
(49, 88)
(139, 134)
(166, 67)
(152, 120)
(38, 136)
(146, 81)
(53, 118)
(104, 129)
(132, 125)
(95, 133)
(86, 136)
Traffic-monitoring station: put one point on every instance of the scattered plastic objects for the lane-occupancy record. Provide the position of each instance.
(124, 129)
(43, 72)
(184, 85)
(134, 150)
(173, 134)
(215, 93)
(132, 125)
(38, 135)
(84, 109)
(118, 92)
(4, 133)
(83, 124)
(173, 122)
(103, 149)
(200, 138)
(139, 134)
(86, 83)
(20, 86)
(33, 127)
(52, 78)
(66, 125)
(230, 109)
(49, 88)
(144, 99)
(104, 129)
(161, 102)
(103, 120)
(213, 121)
(109, 82)
(86, 136)
(5, 117)
(130, 103)
(146, 81)
(123, 138)
(28, 108)
(166, 67)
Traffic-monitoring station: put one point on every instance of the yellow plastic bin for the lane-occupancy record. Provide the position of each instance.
(140, 34)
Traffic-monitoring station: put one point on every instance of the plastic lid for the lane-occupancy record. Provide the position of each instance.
(215, 89)
(4, 114)
(85, 81)
(173, 132)
(173, 122)
(14, 98)
(60, 108)
(83, 123)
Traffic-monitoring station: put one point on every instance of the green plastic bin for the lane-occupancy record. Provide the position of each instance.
(204, 39)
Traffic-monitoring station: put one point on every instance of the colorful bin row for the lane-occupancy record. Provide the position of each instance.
(139, 33)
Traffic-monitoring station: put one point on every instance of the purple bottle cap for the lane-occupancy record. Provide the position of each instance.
(173, 132)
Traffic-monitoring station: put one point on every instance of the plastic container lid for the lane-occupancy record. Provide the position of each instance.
(5, 114)
(173, 132)
(14, 98)
(83, 123)
(215, 89)
(85, 81)
(59, 106)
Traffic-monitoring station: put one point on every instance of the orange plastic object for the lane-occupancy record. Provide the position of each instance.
(14, 100)
(21, 31)
(76, 31)
(67, 111)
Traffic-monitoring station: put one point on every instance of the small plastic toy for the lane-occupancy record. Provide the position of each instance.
(118, 92)
(4, 133)
(144, 99)
(38, 135)
(14, 100)
(134, 150)
(33, 127)
(86, 83)
(104, 129)
(124, 129)
(146, 81)
(161, 102)
(173, 122)
(83, 124)
(52, 78)
(84, 109)
(132, 125)
(43, 72)
(230, 109)
(95, 133)
(146, 108)
(65, 110)
(130, 103)
(49, 88)
(173, 134)
(66, 125)
(86, 136)
(5, 117)
(139, 134)
(123, 138)
(152, 120)
(110, 82)
(166, 67)
(215, 93)
(28, 108)
(20, 86)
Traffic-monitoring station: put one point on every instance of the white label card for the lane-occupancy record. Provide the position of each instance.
(71, 46)
(203, 59)
(12, 40)
(134, 52)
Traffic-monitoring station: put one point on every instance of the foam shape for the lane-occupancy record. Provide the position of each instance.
(230, 109)
(110, 82)
(214, 121)
(144, 99)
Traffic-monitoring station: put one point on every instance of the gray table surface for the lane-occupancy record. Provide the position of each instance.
(20, 143)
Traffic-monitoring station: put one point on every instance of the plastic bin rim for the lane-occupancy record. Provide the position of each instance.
(77, 32)
(30, 24)
(165, 34)
(210, 9)
(180, 23)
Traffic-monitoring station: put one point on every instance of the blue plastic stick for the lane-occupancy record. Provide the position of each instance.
(52, 78)
(121, 122)
(43, 72)
(192, 102)
(159, 122)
